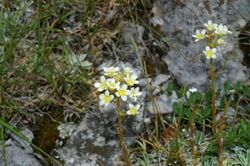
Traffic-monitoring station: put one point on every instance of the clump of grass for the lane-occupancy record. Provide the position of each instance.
(43, 63)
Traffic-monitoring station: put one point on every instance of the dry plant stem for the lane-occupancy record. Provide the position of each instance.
(214, 126)
(121, 134)
(220, 146)
(219, 139)
(149, 87)
(192, 135)
(204, 127)
(213, 89)
(155, 107)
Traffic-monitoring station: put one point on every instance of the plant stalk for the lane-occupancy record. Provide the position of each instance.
(192, 135)
(220, 146)
(121, 134)
(214, 112)
(213, 89)
(219, 139)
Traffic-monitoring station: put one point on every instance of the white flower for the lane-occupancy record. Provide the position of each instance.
(191, 90)
(106, 98)
(199, 35)
(210, 53)
(112, 84)
(134, 93)
(111, 71)
(122, 92)
(133, 110)
(220, 42)
(210, 26)
(131, 80)
(103, 85)
(222, 30)
(128, 71)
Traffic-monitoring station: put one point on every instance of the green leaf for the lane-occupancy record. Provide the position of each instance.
(199, 116)
(170, 88)
(181, 93)
(228, 86)
(195, 98)
(176, 108)
(223, 101)
(187, 112)
(238, 87)
(246, 92)
(207, 112)
(208, 97)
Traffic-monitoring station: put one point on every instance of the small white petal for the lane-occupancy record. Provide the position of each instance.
(124, 98)
(97, 84)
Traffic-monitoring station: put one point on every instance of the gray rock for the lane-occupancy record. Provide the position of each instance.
(95, 141)
(144, 81)
(18, 152)
(131, 49)
(160, 79)
(156, 21)
(185, 59)
(230, 115)
(132, 32)
(162, 104)
(240, 23)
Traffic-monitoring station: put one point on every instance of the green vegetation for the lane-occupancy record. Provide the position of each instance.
(49, 51)
(174, 145)
(43, 67)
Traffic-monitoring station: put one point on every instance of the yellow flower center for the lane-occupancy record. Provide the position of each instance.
(133, 111)
(209, 53)
(104, 85)
(106, 99)
(111, 73)
(200, 36)
(130, 82)
(121, 92)
(118, 78)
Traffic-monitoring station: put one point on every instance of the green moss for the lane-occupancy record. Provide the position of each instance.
(46, 132)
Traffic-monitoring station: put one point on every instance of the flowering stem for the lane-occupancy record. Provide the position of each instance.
(219, 139)
(214, 126)
(121, 134)
(213, 89)
(192, 133)
(220, 143)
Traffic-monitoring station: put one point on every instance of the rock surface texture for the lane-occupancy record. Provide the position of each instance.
(18, 152)
(185, 59)
(95, 141)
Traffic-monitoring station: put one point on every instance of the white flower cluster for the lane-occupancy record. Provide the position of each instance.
(119, 84)
(190, 91)
(213, 33)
